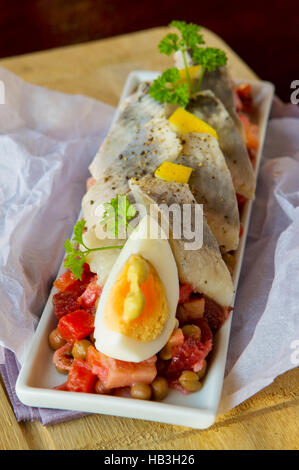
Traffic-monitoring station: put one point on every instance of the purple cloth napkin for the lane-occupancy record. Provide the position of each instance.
(9, 371)
(10, 368)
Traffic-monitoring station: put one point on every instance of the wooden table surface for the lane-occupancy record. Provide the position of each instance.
(269, 420)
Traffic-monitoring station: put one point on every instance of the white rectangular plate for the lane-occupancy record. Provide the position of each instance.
(198, 410)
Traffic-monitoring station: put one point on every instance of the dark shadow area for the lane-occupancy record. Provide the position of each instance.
(264, 34)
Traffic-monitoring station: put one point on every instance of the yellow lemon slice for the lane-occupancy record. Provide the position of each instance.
(183, 122)
(169, 171)
(194, 73)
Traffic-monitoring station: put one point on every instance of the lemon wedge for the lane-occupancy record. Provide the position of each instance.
(194, 73)
(169, 171)
(183, 122)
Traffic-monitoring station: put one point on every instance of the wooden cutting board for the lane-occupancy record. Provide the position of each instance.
(269, 420)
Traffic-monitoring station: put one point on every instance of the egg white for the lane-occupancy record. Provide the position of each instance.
(158, 252)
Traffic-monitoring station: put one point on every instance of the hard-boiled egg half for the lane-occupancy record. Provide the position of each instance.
(136, 312)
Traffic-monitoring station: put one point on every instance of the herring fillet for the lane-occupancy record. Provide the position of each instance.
(211, 185)
(207, 107)
(221, 84)
(203, 268)
(153, 143)
(136, 111)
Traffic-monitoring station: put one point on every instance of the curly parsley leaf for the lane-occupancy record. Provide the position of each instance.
(210, 57)
(78, 231)
(190, 35)
(169, 44)
(117, 214)
(166, 88)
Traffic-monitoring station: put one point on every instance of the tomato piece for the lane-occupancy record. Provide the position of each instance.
(81, 378)
(64, 302)
(114, 373)
(251, 132)
(61, 387)
(244, 93)
(76, 325)
(63, 358)
(238, 102)
(89, 297)
(66, 282)
(185, 292)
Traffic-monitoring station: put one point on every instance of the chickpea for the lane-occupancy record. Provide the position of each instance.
(61, 371)
(181, 314)
(192, 331)
(160, 388)
(165, 353)
(141, 391)
(55, 340)
(202, 372)
(189, 380)
(80, 348)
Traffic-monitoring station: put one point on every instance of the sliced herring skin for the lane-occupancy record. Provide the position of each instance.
(136, 111)
(210, 109)
(211, 185)
(203, 268)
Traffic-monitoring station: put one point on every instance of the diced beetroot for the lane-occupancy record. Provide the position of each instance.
(115, 374)
(81, 378)
(192, 352)
(76, 325)
(63, 358)
(66, 282)
(89, 297)
(215, 314)
(185, 292)
(87, 275)
(64, 302)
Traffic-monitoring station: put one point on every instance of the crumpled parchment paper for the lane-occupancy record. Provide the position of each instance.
(47, 140)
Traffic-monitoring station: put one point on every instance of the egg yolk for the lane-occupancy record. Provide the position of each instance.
(137, 306)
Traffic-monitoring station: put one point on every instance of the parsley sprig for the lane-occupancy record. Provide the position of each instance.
(166, 88)
(117, 214)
